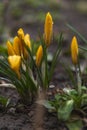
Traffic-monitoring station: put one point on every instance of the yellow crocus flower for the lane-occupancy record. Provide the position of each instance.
(17, 46)
(20, 33)
(28, 43)
(10, 48)
(15, 62)
(48, 29)
(74, 50)
(39, 55)
(27, 40)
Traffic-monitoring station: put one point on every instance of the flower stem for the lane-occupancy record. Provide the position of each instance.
(78, 76)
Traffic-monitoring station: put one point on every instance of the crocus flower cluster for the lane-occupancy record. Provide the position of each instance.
(17, 49)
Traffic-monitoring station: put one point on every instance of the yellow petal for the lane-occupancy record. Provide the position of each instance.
(26, 54)
(17, 46)
(15, 62)
(48, 29)
(21, 33)
(39, 55)
(74, 50)
(28, 43)
(27, 40)
(10, 49)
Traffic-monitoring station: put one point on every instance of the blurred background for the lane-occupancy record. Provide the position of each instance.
(30, 15)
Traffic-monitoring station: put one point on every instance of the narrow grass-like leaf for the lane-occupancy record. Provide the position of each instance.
(70, 73)
(45, 63)
(79, 34)
(36, 68)
(29, 81)
(55, 57)
(83, 48)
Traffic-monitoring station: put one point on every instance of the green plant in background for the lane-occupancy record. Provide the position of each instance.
(80, 35)
(29, 72)
(71, 100)
(4, 102)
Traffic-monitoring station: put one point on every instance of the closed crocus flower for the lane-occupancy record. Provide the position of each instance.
(39, 55)
(27, 43)
(20, 33)
(74, 50)
(10, 48)
(27, 40)
(17, 45)
(48, 29)
(15, 62)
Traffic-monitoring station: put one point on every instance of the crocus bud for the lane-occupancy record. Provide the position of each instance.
(10, 48)
(21, 33)
(39, 55)
(74, 50)
(15, 62)
(17, 45)
(48, 29)
(28, 44)
(27, 40)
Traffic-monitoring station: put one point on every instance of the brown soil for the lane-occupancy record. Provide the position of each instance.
(33, 117)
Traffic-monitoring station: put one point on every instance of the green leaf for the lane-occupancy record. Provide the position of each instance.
(73, 92)
(70, 73)
(83, 48)
(75, 125)
(55, 57)
(46, 104)
(65, 110)
(84, 96)
(79, 34)
(34, 65)
(3, 50)
(4, 101)
(84, 88)
(29, 82)
(84, 99)
(57, 97)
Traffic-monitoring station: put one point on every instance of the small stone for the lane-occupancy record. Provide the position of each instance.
(51, 86)
(11, 110)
